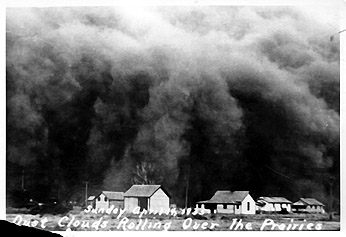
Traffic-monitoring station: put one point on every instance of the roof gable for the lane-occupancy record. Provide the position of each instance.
(143, 190)
(90, 198)
(311, 201)
(234, 197)
(113, 195)
(299, 203)
(274, 199)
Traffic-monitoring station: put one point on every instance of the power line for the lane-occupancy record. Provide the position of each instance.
(277, 172)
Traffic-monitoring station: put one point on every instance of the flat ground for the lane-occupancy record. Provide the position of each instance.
(77, 220)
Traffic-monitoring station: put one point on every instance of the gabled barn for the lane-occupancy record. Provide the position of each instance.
(273, 204)
(310, 205)
(105, 199)
(236, 202)
(148, 197)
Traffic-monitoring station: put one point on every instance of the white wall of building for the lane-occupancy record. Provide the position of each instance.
(101, 202)
(248, 205)
(201, 209)
(220, 208)
(315, 209)
(159, 200)
(268, 207)
(130, 203)
(275, 207)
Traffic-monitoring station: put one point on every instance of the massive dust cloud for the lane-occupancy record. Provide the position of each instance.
(241, 98)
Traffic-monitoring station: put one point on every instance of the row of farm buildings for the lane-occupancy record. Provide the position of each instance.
(156, 198)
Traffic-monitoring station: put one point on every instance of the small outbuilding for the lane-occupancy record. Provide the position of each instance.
(308, 205)
(105, 199)
(273, 204)
(236, 202)
(91, 201)
(148, 197)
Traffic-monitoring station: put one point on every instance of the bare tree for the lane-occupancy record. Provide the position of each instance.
(147, 173)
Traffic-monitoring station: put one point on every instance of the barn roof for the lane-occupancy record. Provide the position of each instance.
(143, 190)
(227, 197)
(90, 198)
(309, 201)
(274, 199)
(113, 195)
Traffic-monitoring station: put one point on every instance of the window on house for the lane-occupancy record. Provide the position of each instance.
(224, 206)
(237, 206)
(106, 199)
(98, 199)
(248, 206)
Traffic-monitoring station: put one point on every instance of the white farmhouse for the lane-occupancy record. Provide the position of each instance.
(273, 204)
(106, 199)
(148, 197)
(236, 202)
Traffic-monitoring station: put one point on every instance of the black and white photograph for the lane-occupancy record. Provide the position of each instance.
(173, 117)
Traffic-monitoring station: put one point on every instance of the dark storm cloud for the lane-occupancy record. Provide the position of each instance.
(97, 91)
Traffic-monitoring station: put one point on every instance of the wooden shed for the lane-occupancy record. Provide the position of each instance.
(91, 201)
(233, 202)
(148, 197)
(105, 199)
(273, 204)
(309, 205)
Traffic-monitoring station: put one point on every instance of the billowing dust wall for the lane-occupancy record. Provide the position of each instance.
(217, 97)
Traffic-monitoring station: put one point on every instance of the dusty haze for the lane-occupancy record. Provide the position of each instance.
(242, 98)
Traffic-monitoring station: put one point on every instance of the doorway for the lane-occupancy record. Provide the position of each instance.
(143, 203)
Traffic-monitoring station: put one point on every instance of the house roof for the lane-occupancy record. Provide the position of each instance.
(274, 199)
(90, 198)
(299, 203)
(143, 190)
(113, 195)
(227, 197)
(309, 201)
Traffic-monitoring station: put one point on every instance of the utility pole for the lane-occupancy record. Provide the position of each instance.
(187, 186)
(23, 179)
(86, 192)
(331, 181)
